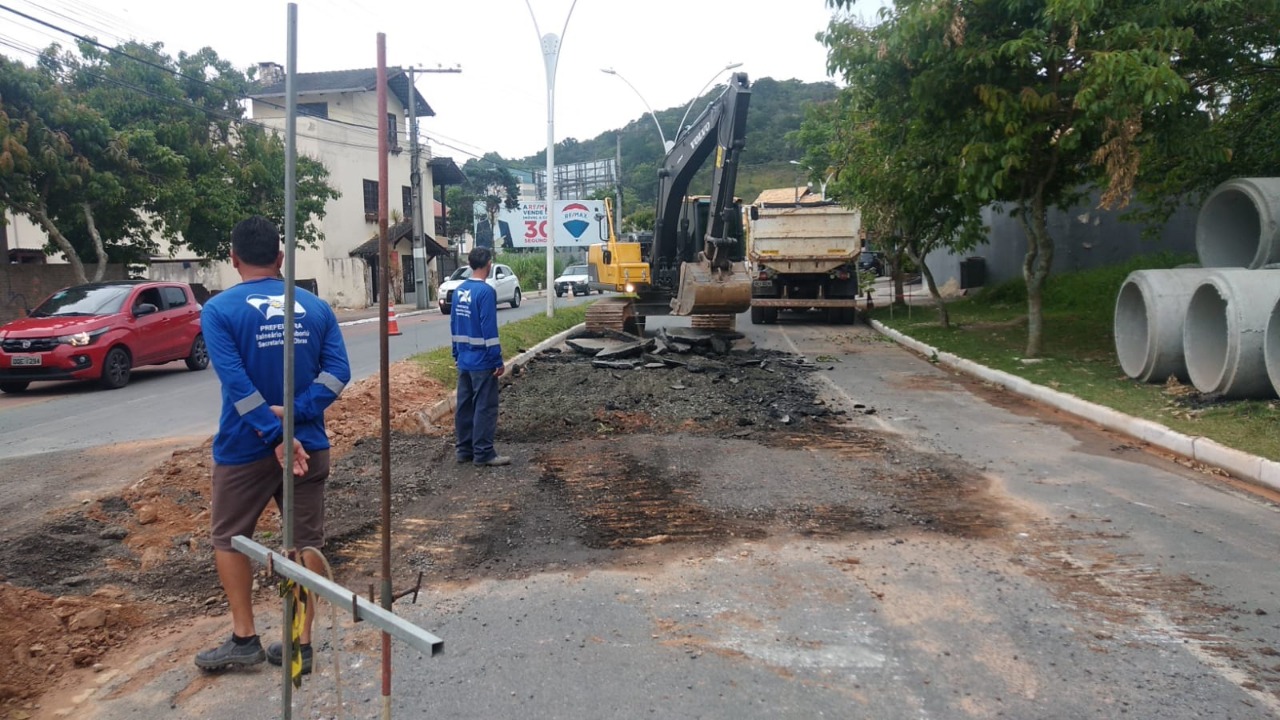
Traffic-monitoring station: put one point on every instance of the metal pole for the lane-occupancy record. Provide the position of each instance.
(617, 172)
(551, 56)
(360, 608)
(384, 351)
(290, 273)
(415, 180)
(666, 147)
(680, 127)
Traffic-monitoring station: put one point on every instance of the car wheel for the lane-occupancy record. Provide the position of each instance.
(444, 309)
(559, 293)
(199, 357)
(14, 387)
(515, 299)
(116, 369)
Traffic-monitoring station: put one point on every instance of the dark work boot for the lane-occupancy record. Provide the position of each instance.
(231, 653)
(275, 656)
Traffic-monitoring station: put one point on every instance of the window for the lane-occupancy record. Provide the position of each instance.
(314, 109)
(406, 262)
(370, 198)
(406, 196)
(150, 296)
(174, 297)
(392, 136)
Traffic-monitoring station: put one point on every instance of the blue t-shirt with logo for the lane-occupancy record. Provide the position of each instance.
(244, 330)
(473, 320)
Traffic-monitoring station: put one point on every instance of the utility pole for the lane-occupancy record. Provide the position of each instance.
(617, 176)
(421, 279)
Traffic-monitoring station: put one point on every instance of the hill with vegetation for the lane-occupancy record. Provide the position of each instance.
(777, 108)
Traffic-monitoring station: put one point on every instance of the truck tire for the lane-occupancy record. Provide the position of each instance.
(763, 316)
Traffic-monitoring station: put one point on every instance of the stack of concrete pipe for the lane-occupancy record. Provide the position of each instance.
(1218, 325)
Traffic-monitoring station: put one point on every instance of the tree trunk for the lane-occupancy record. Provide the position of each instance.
(101, 271)
(899, 293)
(63, 244)
(1035, 270)
(944, 316)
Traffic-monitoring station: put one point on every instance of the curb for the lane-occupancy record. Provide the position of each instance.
(1252, 468)
(436, 412)
(375, 318)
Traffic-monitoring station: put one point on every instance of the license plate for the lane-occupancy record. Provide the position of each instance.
(762, 283)
(25, 360)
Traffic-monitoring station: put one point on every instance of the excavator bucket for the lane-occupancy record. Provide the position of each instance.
(707, 291)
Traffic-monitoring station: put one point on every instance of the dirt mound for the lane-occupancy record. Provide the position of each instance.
(143, 554)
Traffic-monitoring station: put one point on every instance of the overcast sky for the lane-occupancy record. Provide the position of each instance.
(667, 49)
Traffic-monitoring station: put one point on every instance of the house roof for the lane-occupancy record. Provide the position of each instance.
(336, 81)
(788, 196)
(444, 171)
(396, 233)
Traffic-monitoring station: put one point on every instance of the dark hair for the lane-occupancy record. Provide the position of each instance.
(479, 257)
(256, 241)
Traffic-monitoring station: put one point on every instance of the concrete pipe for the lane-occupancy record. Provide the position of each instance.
(1148, 322)
(1271, 348)
(1224, 331)
(1239, 224)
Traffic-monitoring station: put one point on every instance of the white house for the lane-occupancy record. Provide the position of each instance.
(337, 121)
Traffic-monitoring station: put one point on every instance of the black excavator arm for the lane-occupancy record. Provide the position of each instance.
(720, 129)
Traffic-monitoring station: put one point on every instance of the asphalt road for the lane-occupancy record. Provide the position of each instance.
(1117, 584)
(169, 400)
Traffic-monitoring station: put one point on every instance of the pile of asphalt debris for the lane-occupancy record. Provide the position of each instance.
(667, 348)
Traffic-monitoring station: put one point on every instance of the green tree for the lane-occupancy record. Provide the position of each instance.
(1042, 99)
(203, 167)
(48, 145)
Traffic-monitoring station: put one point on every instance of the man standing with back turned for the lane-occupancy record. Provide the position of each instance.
(244, 330)
(474, 322)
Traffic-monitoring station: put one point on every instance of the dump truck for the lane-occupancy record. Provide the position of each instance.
(803, 252)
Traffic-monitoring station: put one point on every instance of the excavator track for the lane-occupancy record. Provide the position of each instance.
(615, 313)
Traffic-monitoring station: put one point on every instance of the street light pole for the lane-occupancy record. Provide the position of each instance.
(551, 58)
(680, 127)
(666, 147)
(799, 167)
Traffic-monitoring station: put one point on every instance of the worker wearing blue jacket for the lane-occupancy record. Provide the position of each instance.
(243, 328)
(474, 324)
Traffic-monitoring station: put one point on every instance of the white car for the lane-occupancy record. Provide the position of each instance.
(503, 280)
(574, 279)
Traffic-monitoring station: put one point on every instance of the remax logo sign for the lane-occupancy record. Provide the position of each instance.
(576, 218)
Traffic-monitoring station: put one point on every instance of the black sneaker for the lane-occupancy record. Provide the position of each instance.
(275, 656)
(229, 653)
(495, 461)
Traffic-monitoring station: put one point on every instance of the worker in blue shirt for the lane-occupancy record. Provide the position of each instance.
(474, 324)
(243, 328)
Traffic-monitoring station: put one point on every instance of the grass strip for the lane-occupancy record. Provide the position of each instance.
(1079, 354)
(516, 337)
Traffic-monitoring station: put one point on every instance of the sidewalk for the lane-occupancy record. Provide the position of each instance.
(1252, 468)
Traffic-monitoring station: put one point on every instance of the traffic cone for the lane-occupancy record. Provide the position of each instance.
(393, 327)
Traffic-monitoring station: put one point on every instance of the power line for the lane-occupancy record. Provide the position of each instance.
(227, 91)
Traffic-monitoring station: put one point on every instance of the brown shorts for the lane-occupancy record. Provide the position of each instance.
(241, 493)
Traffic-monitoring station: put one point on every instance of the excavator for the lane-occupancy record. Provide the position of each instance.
(694, 263)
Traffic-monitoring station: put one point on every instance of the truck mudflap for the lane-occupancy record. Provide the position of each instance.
(708, 291)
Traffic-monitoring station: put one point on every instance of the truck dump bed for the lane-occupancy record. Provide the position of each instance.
(805, 239)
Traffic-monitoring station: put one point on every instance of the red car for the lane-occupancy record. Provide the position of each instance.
(101, 331)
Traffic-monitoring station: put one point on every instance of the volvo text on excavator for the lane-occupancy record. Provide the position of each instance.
(694, 263)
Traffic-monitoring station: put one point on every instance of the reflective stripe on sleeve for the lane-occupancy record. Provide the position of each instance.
(331, 381)
(244, 406)
(480, 342)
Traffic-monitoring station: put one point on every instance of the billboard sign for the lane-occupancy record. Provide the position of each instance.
(577, 223)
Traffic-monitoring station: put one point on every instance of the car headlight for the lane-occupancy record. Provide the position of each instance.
(80, 339)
